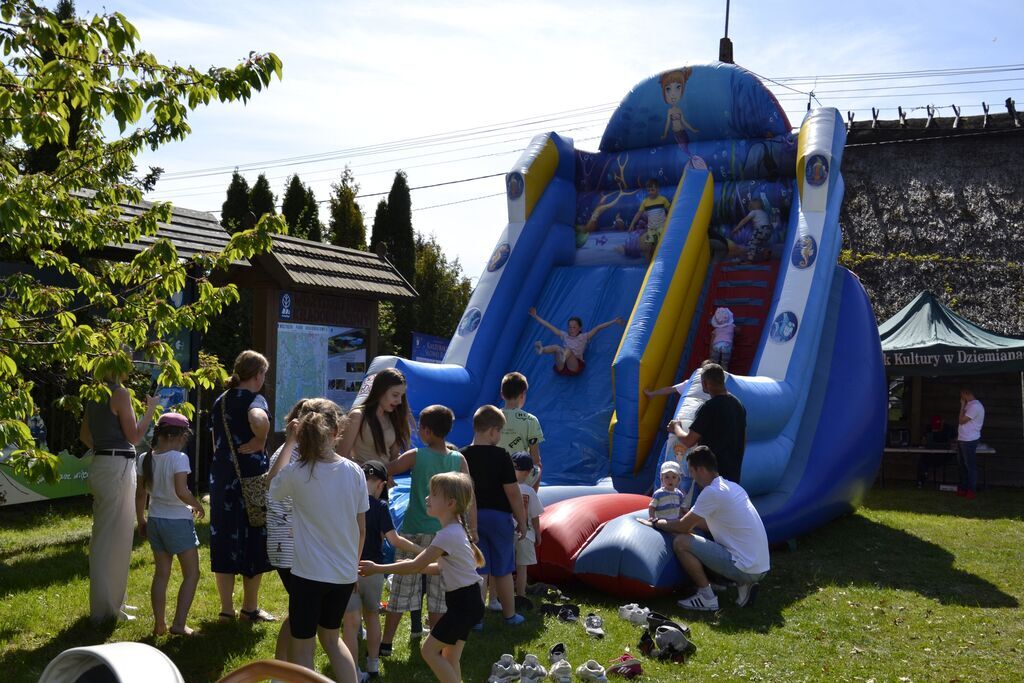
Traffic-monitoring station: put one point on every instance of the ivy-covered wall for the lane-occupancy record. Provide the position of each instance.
(945, 215)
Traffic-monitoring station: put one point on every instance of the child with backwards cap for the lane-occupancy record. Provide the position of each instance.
(170, 528)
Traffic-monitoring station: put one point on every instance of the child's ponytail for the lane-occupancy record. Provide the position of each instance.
(147, 467)
(477, 555)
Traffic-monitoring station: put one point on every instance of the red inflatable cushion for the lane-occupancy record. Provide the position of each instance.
(567, 526)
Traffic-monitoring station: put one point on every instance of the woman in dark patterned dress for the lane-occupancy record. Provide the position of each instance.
(235, 547)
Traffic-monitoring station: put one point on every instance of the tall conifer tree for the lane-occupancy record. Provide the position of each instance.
(347, 228)
(234, 212)
(309, 221)
(261, 198)
(379, 231)
(292, 204)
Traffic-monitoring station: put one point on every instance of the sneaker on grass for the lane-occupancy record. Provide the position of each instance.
(532, 670)
(504, 670)
(746, 594)
(591, 671)
(626, 665)
(561, 672)
(700, 603)
(494, 605)
(556, 653)
(594, 625)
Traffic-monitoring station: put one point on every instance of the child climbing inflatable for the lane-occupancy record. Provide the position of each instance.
(569, 357)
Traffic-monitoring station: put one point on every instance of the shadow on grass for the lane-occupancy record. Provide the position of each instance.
(857, 552)
(990, 504)
(59, 563)
(81, 632)
(39, 514)
(38, 570)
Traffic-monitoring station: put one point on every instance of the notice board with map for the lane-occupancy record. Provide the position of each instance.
(318, 361)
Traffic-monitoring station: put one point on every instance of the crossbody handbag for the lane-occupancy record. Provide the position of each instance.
(254, 489)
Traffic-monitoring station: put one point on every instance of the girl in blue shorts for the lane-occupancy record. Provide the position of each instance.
(170, 529)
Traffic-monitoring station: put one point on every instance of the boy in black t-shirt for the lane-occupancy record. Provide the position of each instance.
(499, 518)
(365, 598)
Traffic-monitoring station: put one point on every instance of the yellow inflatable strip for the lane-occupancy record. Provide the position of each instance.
(664, 350)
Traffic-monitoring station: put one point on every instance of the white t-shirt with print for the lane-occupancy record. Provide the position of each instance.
(163, 501)
(326, 501)
(734, 523)
(458, 564)
(534, 508)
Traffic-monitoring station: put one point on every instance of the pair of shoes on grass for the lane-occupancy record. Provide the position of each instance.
(561, 670)
(634, 613)
(566, 612)
(506, 669)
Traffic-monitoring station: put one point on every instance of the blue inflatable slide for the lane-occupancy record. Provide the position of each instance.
(588, 235)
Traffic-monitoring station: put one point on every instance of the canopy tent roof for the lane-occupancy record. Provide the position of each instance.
(926, 338)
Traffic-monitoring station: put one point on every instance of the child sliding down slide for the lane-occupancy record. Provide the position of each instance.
(569, 357)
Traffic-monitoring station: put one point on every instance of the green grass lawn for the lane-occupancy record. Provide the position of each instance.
(917, 586)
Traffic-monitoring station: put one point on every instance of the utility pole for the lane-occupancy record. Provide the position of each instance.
(725, 45)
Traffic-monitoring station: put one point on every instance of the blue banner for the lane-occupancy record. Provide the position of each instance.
(427, 348)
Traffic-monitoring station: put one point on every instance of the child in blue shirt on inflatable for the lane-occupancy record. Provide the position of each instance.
(667, 502)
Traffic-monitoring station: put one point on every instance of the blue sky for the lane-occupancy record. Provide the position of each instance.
(360, 74)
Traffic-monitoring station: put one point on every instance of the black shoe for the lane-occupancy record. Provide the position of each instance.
(654, 620)
(385, 649)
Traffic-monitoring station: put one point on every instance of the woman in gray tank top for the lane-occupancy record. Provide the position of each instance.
(110, 428)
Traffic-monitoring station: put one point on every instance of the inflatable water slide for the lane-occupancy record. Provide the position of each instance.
(589, 235)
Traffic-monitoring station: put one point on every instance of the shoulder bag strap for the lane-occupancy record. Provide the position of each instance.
(227, 434)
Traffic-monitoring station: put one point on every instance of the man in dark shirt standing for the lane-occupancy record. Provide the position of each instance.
(720, 424)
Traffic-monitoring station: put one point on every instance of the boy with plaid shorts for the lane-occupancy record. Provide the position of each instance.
(417, 526)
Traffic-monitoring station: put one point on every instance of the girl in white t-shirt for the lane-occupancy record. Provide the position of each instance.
(170, 529)
(329, 500)
(452, 555)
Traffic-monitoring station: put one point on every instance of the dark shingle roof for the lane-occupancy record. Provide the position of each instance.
(292, 262)
(191, 232)
(305, 264)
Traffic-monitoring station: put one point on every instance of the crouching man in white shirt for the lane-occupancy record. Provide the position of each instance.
(740, 549)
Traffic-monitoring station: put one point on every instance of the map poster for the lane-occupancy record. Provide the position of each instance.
(318, 361)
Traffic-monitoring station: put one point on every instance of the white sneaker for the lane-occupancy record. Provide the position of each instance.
(504, 670)
(561, 672)
(746, 594)
(532, 670)
(634, 614)
(591, 671)
(626, 610)
(494, 606)
(699, 603)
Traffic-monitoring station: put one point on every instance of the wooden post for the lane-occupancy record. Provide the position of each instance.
(915, 411)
